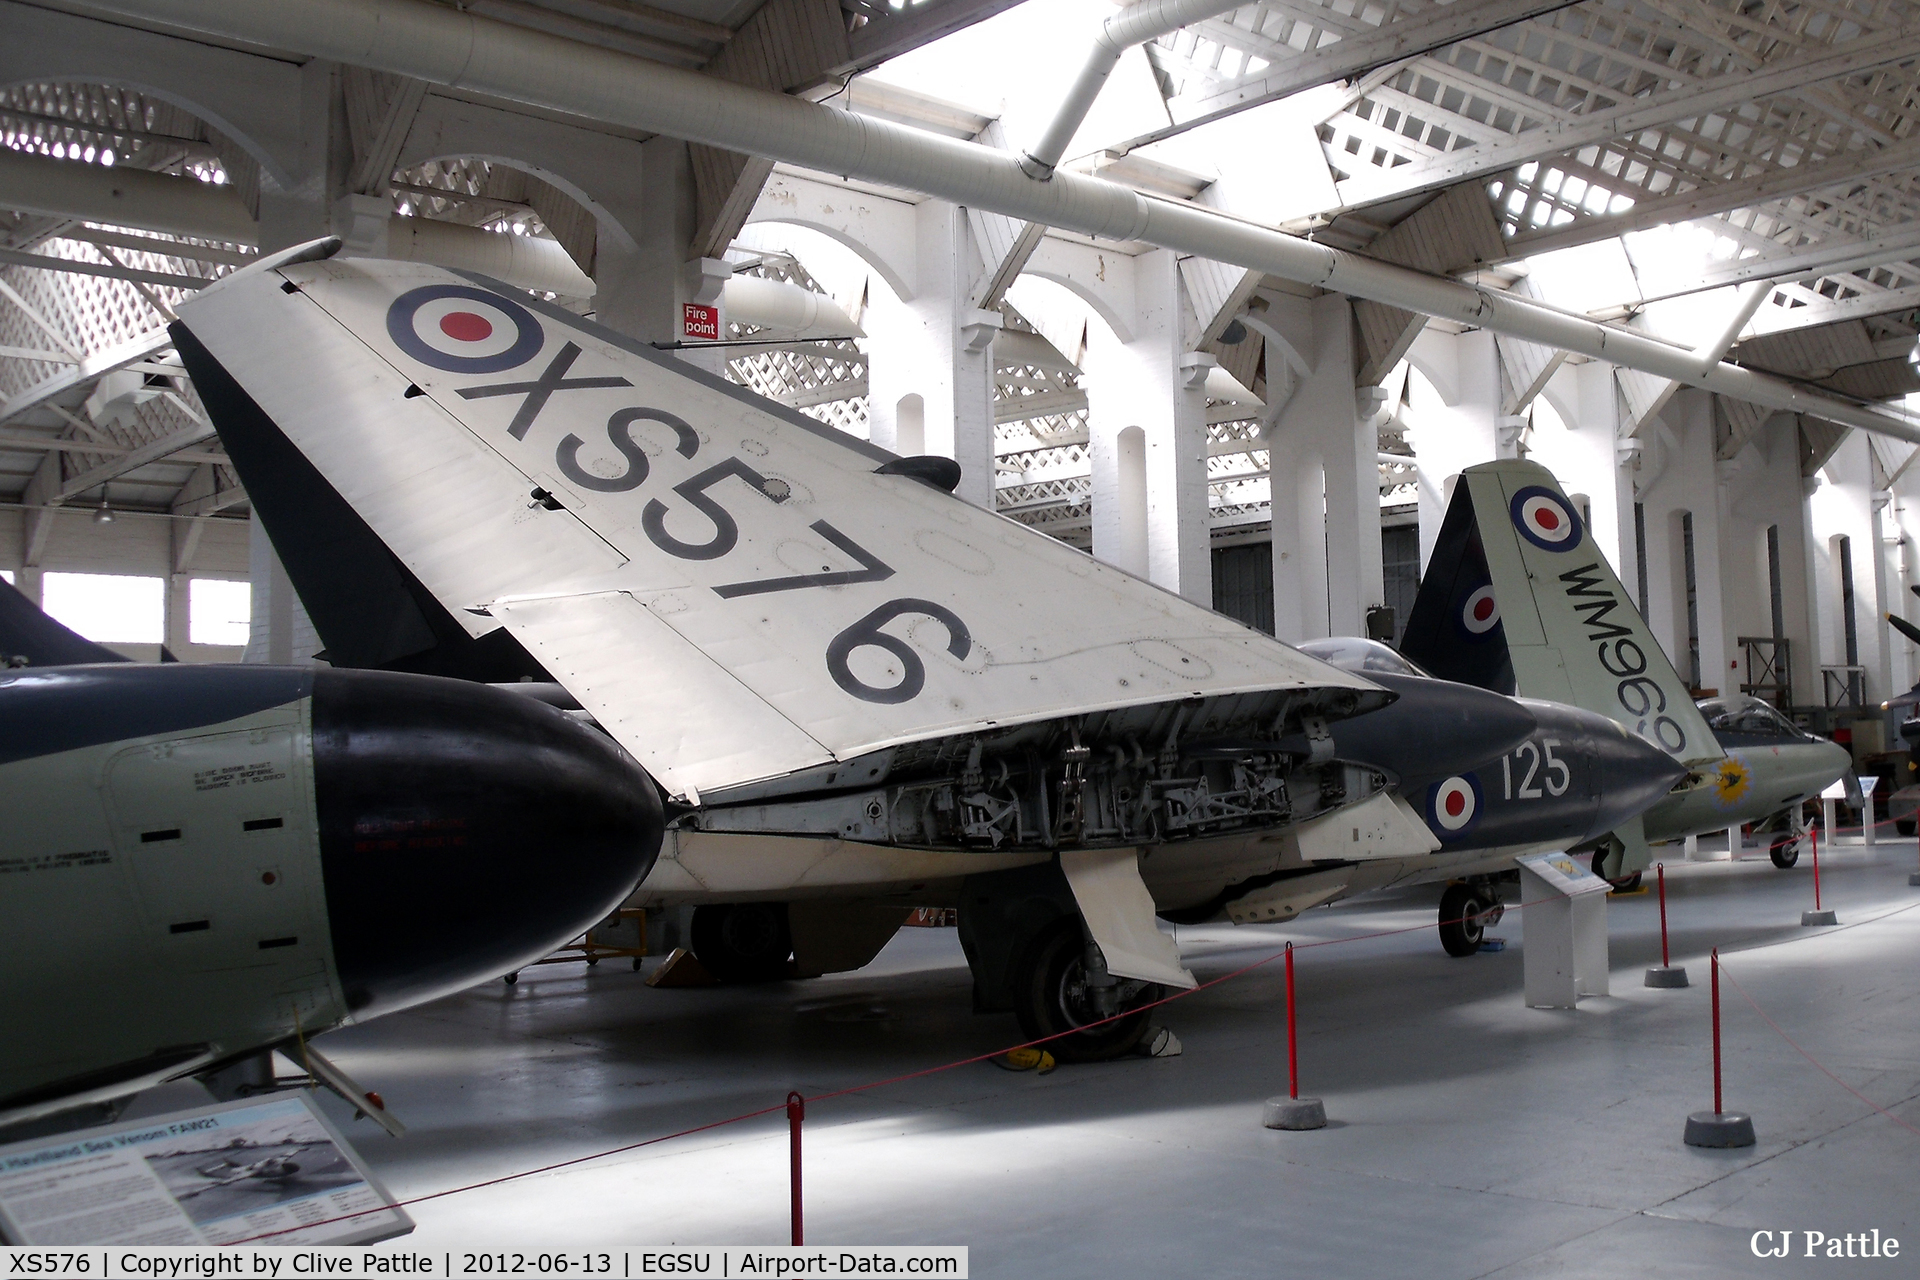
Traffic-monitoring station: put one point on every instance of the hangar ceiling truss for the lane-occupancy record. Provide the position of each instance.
(1787, 127)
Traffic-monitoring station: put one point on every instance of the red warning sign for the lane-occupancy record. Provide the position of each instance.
(700, 321)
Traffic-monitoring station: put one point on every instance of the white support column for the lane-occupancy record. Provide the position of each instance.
(281, 633)
(1680, 478)
(930, 356)
(177, 631)
(1299, 503)
(1326, 483)
(1586, 459)
(639, 287)
(1347, 425)
(1455, 417)
(1843, 506)
(304, 209)
(1147, 421)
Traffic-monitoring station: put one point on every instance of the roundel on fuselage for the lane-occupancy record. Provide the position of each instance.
(1453, 806)
(461, 329)
(1544, 519)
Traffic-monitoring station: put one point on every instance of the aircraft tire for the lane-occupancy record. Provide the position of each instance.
(743, 941)
(1905, 826)
(1462, 907)
(1050, 997)
(1784, 853)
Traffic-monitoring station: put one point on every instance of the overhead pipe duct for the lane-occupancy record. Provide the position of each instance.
(1135, 24)
(199, 210)
(783, 307)
(448, 47)
(124, 198)
(526, 261)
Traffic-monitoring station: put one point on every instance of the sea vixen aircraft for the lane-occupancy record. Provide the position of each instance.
(1519, 598)
(860, 693)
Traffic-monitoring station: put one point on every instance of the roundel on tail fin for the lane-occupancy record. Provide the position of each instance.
(1479, 612)
(1545, 519)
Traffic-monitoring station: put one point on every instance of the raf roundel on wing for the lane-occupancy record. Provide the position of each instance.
(1544, 519)
(463, 330)
(1453, 806)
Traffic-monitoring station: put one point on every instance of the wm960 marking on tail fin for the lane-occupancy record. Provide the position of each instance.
(1622, 658)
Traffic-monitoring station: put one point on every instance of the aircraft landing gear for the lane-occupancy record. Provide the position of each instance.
(1783, 840)
(742, 942)
(1061, 982)
(1467, 911)
(1626, 884)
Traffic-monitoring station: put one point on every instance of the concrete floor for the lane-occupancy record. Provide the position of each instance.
(1470, 1136)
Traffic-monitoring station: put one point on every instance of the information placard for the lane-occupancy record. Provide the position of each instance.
(1564, 872)
(271, 1170)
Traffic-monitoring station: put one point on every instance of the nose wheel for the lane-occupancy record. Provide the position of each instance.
(1784, 838)
(1467, 911)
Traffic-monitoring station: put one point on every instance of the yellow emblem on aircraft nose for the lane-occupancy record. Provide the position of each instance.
(1730, 781)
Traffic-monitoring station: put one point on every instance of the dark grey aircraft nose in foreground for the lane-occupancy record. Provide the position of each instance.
(258, 854)
(1634, 774)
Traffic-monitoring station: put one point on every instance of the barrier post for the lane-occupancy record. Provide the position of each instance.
(1293, 1040)
(1718, 1127)
(1714, 961)
(796, 1112)
(1817, 916)
(1666, 975)
(1293, 1111)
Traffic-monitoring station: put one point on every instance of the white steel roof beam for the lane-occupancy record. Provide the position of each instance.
(1723, 197)
(1352, 55)
(1868, 53)
(446, 46)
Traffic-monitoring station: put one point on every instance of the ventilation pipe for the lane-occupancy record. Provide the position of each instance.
(446, 46)
(1135, 24)
(525, 261)
(124, 198)
(786, 309)
(200, 210)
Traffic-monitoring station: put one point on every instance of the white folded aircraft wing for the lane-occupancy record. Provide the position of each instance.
(727, 585)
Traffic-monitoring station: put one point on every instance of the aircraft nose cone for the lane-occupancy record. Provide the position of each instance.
(465, 831)
(1435, 728)
(1634, 773)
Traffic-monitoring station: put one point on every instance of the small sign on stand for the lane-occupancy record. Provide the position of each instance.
(1829, 800)
(267, 1170)
(1563, 930)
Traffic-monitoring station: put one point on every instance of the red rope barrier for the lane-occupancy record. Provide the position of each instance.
(1817, 1064)
(1286, 953)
